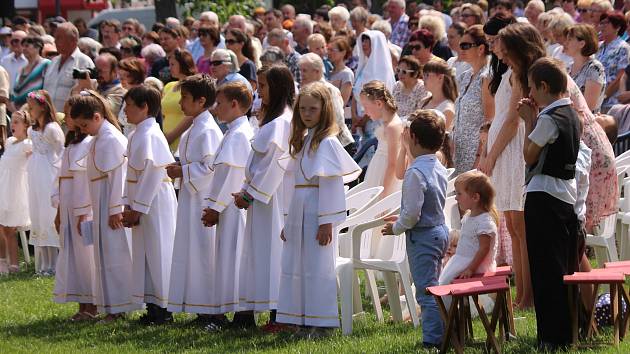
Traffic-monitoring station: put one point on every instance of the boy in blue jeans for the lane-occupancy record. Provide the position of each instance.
(422, 216)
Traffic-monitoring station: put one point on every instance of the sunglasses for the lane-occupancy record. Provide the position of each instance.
(16, 41)
(231, 41)
(218, 62)
(415, 47)
(582, 11)
(203, 33)
(405, 71)
(466, 46)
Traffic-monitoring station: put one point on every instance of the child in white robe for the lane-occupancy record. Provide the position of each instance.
(43, 167)
(233, 102)
(152, 205)
(106, 169)
(263, 195)
(74, 276)
(192, 275)
(308, 284)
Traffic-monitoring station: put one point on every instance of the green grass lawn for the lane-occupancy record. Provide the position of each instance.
(31, 322)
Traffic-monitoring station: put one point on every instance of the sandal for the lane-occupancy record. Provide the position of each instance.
(77, 317)
(14, 269)
(110, 318)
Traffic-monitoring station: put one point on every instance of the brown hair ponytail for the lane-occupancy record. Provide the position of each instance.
(88, 103)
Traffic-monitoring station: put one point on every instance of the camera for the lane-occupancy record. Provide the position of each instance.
(82, 74)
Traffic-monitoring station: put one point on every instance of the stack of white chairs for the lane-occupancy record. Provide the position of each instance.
(349, 288)
(361, 200)
(622, 227)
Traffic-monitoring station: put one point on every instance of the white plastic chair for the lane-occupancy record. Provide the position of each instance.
(359, 187)
(391, 265)
(451, 214)
(361, 200)
(450, 173)
(378, 209)
(603, 241)
(622, 156)
(348, 280)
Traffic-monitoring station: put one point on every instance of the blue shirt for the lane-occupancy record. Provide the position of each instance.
(423, 195)
(237, 77)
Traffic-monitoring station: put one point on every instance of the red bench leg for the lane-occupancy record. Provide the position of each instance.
(450, 338)
(614, 304)
(487, 325)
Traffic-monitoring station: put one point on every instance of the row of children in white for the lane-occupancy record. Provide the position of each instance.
(233, 263)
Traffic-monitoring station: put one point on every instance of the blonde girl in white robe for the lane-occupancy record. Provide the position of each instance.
(152, 204)
(191, 273)
(106, 170)
(74, 276)
(263, 195)
(308, 285)
(43, 167)
(233, 102)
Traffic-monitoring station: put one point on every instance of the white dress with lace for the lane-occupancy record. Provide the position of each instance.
(375, 174)
(43, 168)
(508, 176)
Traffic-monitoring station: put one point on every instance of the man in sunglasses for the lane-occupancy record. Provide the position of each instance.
(16, 60)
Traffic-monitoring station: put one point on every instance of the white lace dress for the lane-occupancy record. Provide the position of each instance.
(375, 174)
(508, 176)
(43, 168)
(13, 184)
(468, 245)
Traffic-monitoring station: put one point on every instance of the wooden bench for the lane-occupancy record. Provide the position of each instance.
(455, 334)
(624, 268)
(611, 277)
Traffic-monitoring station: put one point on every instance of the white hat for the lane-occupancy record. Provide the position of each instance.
(5, 31)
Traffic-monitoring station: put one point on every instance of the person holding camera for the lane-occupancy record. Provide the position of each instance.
(58, 80)
(107, 82)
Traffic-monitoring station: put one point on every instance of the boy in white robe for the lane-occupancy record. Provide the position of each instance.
(192, 275)
(151, 204)
(106, 167)
(233, 102)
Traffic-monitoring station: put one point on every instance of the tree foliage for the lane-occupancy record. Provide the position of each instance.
(223, 8)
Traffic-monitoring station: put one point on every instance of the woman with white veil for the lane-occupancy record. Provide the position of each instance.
(374, 64)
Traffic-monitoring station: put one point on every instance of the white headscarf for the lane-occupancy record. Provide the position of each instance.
(378, 66)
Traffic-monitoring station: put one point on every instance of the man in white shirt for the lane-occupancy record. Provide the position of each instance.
(14, 61)
(58, 79)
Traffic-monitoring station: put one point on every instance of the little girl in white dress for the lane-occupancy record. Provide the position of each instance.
(477, 247)
(14, 191)
(379, 104)
(43, 167)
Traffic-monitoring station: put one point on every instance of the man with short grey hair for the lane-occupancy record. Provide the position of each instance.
(278, 38)
(399, 21)
(58, 80)
(302, 28)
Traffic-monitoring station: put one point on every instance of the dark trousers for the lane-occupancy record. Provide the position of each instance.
(551, 232)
